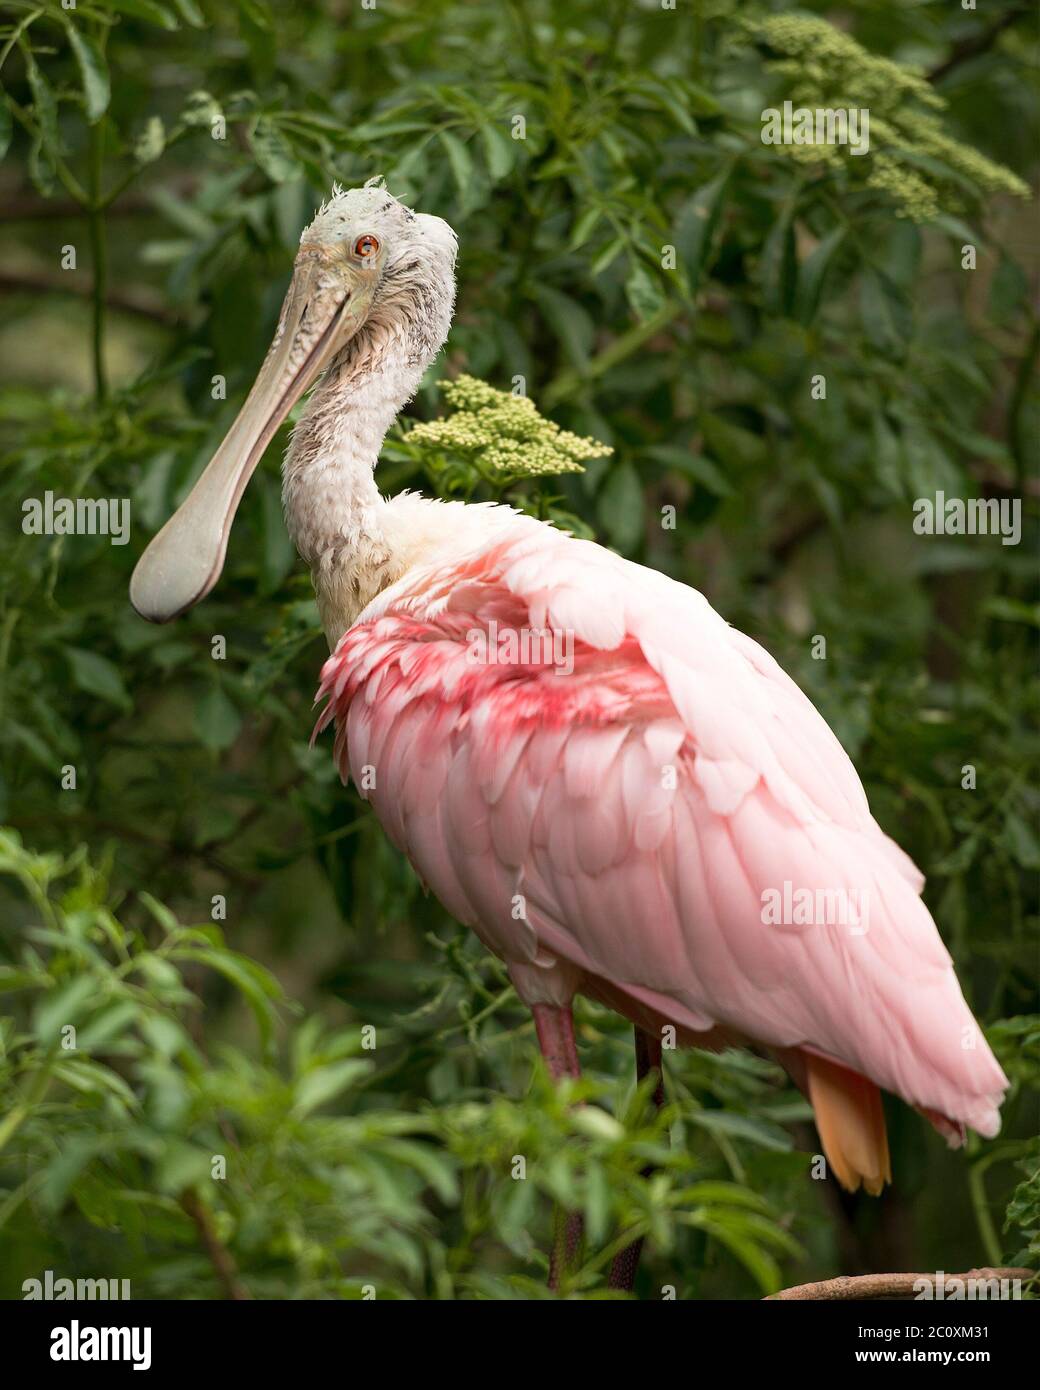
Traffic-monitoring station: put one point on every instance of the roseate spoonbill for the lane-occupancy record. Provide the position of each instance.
(627, 830)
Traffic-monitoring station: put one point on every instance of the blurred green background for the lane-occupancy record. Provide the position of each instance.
(212, 912)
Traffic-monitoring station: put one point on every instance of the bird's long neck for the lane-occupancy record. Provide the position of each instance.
(328, 486)
(333, 509)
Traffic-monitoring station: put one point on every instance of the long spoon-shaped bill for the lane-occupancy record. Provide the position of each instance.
(326, 304)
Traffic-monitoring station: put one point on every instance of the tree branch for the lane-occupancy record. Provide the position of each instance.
(865, 1286)
(975, 46)
(129, 300)
(220, 1257)
(30, 207)
(99, 256)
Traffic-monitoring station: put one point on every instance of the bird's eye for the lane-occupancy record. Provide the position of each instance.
(366, 246)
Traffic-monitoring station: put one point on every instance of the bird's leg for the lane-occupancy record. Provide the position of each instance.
(554, 1025)
(648, 1058)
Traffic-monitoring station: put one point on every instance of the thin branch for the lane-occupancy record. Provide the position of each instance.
(165, 847)
(980, 1205)
(29, 207)
(570, 382)
(975, 46)
(1016, 405)
(99, 256)
(72, 185)
(259, 809)
(127, 299)
(865, 1286)
(219, 1256)
(17, 33)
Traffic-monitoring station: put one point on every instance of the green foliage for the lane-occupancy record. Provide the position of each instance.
(663, 282)
(119, 1120)
(913, 160)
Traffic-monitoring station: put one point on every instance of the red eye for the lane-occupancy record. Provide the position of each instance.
(366, 247)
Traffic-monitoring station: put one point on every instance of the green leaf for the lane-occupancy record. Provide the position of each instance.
(256, 985)
(695, 465)
(63, 1006)
(435, 1167)
(45, 107)
(460, 159)
(499, 151)
(812, 274)
(959, 860)
(93, 71)
(164, 1035)
(1009, 287)
(190, 13)
(583, 227)
(182, 1165)
(597, 1204)
(737, 1126)
(1021, 839)
(695, 227)
(94, 1079)
(322, 1084)
(620, 507)
(514, 1206)
(258, 13)
(272, 152)
(733, 444)
(42, 170)
(150, 144)
(595, 1123)
(713, 1192)
(411, 163)
(1010, 610)
(698, 98)
(98, 676)
(759, 1263)
(888, 456)
(778, 267)
(643, 291)
(217, 721)
(148, 10)
(30, 740)
(168, 921)
(279, 553)
(885, 312)
(569, 322)
(106, 1024)
(674, 101)
(66, 1166)
(200, 109)
(6, 126)
(608, 255)
(11, 978)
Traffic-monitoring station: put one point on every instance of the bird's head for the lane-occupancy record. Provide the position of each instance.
(368, 270)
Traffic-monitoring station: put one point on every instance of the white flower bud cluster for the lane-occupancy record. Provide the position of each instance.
(504, 433)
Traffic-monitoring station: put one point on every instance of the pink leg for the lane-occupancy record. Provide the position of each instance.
(648, 1058)
(554, 1025)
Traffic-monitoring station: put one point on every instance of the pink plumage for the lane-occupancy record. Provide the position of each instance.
(616, 826)
(618, 792)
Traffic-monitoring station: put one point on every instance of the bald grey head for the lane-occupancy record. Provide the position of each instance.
(415, 295)
(372, 282)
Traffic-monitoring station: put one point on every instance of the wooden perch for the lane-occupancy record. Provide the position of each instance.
(866, 1286)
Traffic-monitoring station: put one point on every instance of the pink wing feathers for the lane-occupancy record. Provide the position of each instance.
(640, 807)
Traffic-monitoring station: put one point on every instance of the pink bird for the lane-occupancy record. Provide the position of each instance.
(667, 825)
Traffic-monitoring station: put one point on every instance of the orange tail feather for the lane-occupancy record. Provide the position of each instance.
(851, 1124)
